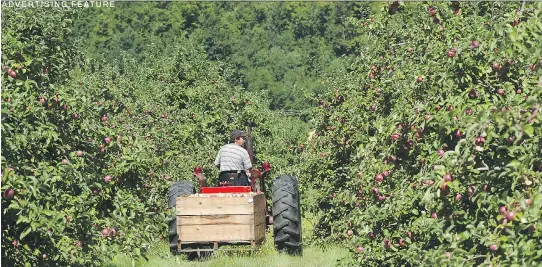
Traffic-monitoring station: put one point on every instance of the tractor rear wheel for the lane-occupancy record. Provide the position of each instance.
(287, 215)
(177, 189)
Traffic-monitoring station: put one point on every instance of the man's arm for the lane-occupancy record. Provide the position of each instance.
(202, 179)
(246, 163)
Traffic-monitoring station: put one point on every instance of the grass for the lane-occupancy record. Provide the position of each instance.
(265, 256)
(312, 257)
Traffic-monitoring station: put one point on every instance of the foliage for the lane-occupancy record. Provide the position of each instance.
(436, 126)
(278, 48)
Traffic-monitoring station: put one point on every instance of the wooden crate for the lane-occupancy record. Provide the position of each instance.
(219, 218)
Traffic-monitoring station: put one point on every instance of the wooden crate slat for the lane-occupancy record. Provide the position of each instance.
(215, 219)
(208, 205)
(210, 233)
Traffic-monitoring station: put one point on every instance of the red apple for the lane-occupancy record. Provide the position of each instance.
(510, 216)
(371, 235)
(437, 108)
(473, 93)
(502, 210)
(427, 117)
(378, 90)
(79, 153)
(451, 53)
(12, 73)
(493, 247)
(334, 195)
(387, 243)
(448, 177)
(395, 136)
(375, 190)
(68, 218)
(104, 118)
(474, 44)
(440, 152)
(419, 79)
(107, 140)
(528, 202)
(9, 193)
(458, 134)
(434, 215)
(266, 166)
(379, 178)
(349, 232)
(197, 170)
(44, 256)
(381, 197)
(15, 243)
(64, 161)
(386, 173)
(500, 91)
(428, 182)
(105, 232)
(469, 111)
(458, 197)
(107, 179)
(360, 249)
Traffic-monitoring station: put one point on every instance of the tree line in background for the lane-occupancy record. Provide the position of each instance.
(278, 48)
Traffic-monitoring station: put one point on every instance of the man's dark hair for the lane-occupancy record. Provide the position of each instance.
(235, 135)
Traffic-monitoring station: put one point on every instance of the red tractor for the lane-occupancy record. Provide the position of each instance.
(235, 215)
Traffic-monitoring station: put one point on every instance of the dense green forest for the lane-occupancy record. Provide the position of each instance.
(281, 48)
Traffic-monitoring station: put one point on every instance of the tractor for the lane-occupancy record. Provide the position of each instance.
(235, 215)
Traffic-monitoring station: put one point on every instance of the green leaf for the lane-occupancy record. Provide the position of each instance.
(528, 129)
(25, 233)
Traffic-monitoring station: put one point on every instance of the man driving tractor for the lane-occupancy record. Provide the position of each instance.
(233, 161)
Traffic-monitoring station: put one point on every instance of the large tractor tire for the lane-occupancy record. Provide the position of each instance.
(177, 189)
(287, 215)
